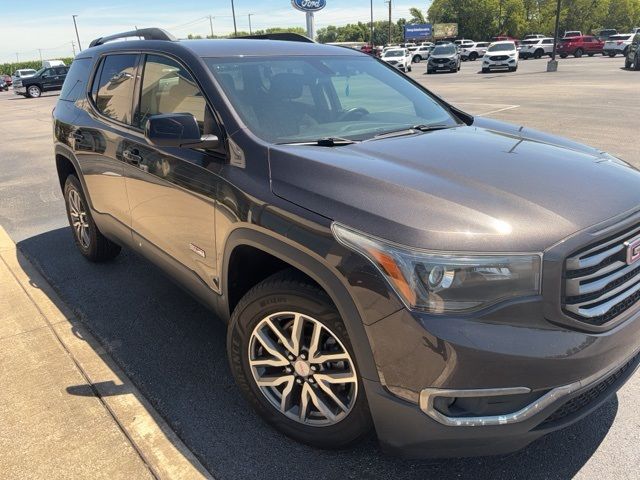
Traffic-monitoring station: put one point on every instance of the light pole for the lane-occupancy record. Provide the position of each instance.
(233, 12)
(77, 36)
(389, 2)
(211, 25)
(40, 52)
(250, 30)
(552, 66)
(371, 32)
(17, 59)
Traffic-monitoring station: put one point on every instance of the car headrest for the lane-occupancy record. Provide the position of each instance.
(287, 86)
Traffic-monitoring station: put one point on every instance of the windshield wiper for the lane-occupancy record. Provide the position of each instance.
(326, 142)
(411, 130)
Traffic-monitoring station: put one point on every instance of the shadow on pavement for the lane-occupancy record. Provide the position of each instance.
(173, 349)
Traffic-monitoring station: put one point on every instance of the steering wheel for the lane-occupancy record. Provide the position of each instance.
(356, 112)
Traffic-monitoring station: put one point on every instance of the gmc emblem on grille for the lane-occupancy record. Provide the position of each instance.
(633, 250)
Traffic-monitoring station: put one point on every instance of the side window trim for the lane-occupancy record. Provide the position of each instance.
(95, 76)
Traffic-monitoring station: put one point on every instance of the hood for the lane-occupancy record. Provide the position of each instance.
(448, 55)
(469, 188)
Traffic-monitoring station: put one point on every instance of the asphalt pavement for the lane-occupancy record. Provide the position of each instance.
(173, 349)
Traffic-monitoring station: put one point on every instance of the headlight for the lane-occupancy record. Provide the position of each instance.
(445, 283)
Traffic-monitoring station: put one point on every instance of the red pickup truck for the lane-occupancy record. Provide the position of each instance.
(578, 46)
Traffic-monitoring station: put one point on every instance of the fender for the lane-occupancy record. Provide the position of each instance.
(314, 266)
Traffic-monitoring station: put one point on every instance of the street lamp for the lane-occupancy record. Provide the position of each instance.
(233, 12)
(552, 66)
(76, 27)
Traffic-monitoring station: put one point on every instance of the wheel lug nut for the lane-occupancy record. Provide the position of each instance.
(298, 380)
(303, 356)
(290, 357)
(288, 370)
(314, 368)
(311, 380)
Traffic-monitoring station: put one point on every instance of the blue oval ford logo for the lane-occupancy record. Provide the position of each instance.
(309, 5)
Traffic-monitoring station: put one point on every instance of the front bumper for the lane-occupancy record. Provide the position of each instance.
(556, 375)
(499, 64)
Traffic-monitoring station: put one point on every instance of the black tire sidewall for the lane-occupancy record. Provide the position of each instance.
(72, 182)
(269, 298)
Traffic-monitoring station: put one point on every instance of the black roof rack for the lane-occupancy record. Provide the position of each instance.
(146, 33)
(286, 36)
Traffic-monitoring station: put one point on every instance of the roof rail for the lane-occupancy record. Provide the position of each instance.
(146, 33)
(285, 36)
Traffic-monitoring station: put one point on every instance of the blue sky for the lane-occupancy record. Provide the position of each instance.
(47, 24)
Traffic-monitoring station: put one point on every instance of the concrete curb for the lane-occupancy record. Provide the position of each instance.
(157, 444)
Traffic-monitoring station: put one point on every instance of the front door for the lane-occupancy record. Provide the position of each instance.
(172, 191)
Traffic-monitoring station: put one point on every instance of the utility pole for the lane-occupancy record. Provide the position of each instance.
(73, 46)
(17, 59)
(77, 36)
(389, 2)
(233, 12)
(371, 33)
(250, 30)
(211, 25)
(40, 52)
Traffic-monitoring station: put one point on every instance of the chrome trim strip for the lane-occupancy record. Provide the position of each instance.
(576, 263)
(428, 396)
(575, 286)
(603, 308)
(573, 263)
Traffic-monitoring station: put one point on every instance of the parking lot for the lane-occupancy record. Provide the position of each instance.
(174, 351)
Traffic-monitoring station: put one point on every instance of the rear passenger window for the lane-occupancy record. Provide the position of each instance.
(113, 86)
(75, 84)
(168, 88)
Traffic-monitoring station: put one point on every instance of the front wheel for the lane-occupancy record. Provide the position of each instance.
(292, 359)
(408, 68)
(485, 70)
(578, 53)
(92, 244)
(34, 91)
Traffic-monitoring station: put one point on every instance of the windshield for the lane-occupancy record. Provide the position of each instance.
(619, 37)
(444, 50)
(303, 99)
(26, 72)
(394, 53)
(502, 47)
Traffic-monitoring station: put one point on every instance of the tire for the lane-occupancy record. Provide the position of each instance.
(578, 53)
(591, 54)
(612, 54)
(485, 70)
(409, 68)
(538, 53)
(417, 59)
(34, 91)
(625, 51)
(563, 55)
(94, 246)
(282, 300)
(473, 56)
(429, 71)
(627, 63)
(636, 62)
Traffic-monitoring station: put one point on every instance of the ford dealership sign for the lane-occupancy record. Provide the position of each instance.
(309, 5)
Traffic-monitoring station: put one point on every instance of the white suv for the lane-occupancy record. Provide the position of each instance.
(500, 55)
(535, 48)
(618, 43)
(475, 51)
(399, 58)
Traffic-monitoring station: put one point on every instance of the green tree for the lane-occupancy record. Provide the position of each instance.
(416, 16)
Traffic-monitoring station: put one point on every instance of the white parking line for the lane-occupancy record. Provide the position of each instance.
(510, 107)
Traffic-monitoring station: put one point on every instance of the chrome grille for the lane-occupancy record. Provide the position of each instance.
(499, 57)
(599, 284)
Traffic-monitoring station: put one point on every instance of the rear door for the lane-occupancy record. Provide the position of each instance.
(172, 191)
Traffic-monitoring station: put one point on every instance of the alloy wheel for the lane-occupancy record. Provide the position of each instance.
(303, 369)
(79, 219)
(34, 91)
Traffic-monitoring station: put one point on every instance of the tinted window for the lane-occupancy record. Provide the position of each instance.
(548, 41)
(114, 89)
(61, 70)
(75, 84)
(502, 47)
(168, 88)
(444, 50)
(302, 99)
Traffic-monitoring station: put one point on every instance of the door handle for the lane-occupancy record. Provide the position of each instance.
(131, 157)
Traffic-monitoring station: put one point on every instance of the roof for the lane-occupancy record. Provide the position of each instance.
(228, 47)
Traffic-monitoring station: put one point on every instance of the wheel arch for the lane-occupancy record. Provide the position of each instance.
(286, 254)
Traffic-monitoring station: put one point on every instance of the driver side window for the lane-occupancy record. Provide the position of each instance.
(167, 87)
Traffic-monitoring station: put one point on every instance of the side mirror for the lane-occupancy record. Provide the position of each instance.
(177, 130)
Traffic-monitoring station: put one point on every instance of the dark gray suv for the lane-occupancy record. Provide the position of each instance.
(382, 258)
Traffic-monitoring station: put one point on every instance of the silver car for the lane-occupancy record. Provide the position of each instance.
(475, 51)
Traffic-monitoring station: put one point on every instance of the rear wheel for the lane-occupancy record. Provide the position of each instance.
(563, 55)
(473, 56)
(92, 244)
(292, 359)
(417, 59)
(538, 53)
(34, 91)
(578, 53)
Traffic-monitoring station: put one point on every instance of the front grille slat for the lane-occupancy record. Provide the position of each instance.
(599, 285)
